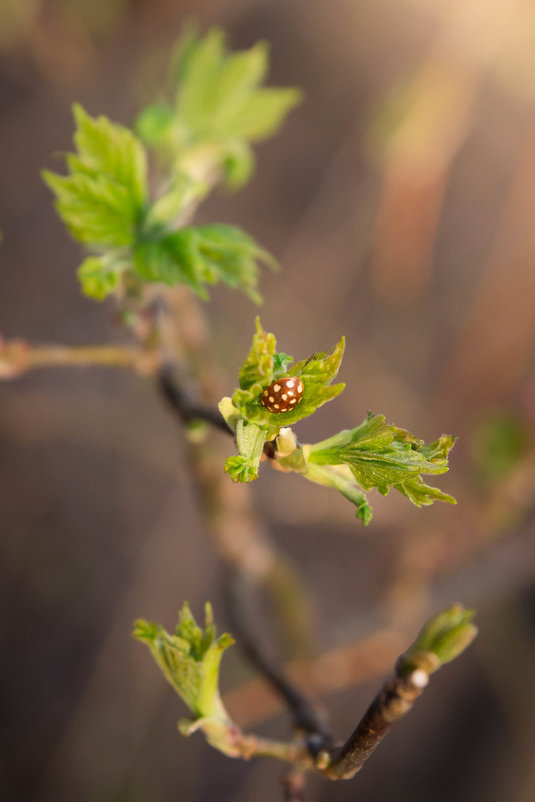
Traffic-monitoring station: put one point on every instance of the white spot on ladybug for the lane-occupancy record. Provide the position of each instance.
(282, 395)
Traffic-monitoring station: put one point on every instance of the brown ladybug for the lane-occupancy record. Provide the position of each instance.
(282, 395)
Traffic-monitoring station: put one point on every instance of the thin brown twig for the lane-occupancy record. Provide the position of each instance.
(306, 717)
(18, 357)
(185, 405)
(393, 702)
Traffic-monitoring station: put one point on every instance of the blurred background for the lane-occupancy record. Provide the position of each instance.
(399, 199)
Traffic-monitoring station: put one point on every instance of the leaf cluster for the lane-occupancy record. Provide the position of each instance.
(105, 205)
(219, 107)
(189, 659)
(384, 456)
(372, 455)
(252, 422)
(443, 638)
(216, 103)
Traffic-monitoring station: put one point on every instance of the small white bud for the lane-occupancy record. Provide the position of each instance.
(419, 678)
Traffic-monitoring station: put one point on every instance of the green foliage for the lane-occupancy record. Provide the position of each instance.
(98, 277)
(200, 255)
(252, 422)
(374, 454)
(250, 440)
(104, 204)
(263, 365)
(384, 456)
(218, 103)
(443, 638)
(102, 199)
(190, 660)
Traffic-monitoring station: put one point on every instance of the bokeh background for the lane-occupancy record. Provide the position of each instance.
(399, 199)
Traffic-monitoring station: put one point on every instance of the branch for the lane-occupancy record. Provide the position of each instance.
(306, 717)
(185, 406)
(18, 357)
(442, 639)
(231, 741)
(392, 703)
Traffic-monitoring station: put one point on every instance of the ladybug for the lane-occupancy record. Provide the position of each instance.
(282, 395)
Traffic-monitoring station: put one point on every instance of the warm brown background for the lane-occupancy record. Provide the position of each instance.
(400, 200)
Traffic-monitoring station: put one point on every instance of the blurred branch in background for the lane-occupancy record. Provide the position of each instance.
(18, 357)
(493, 354)
(419, 130)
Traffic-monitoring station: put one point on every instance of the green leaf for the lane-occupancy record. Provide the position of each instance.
(173, 259)
(218, 103)
(95, 210)
(233, 256)
(238, 164)
(257, 370)
(98, 277)
(112, 150)
(443, 638)
(263, 364)
(250, 439)
(316, 373)
(373, 454)
(200, 255)
(384, 456)
(102, 199)
(190, 660)
(230, 413)
(154, 124)
(263, 114)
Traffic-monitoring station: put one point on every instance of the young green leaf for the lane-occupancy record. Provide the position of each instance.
(154, 124)
(250, 440)
(384, 456)
(112, 150)
(443, 638)
(252, 422)
(201, 255)
(373, 454)
(238, 163)
(219, 104)
(190, 660)
(96, 210)
(102, 199)
(98, 277)
(263, 365)
(173, 259)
